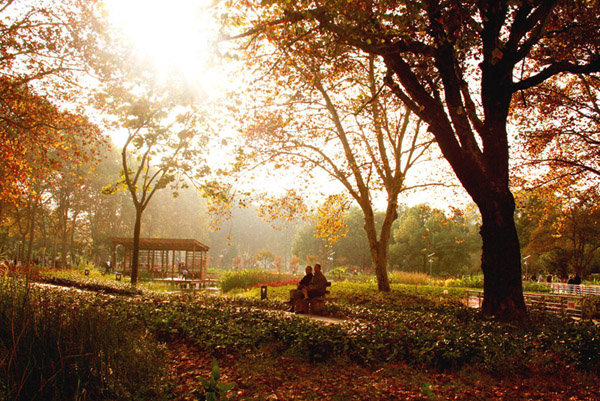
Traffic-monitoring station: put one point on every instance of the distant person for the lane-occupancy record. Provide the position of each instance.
(296, 294)
(571, 283)
(317, 286)
(577, 283)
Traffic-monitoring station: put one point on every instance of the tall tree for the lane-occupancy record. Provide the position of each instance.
(163, 148)
(457, 65)
(330, 111)
(351, 249)
(564, 238)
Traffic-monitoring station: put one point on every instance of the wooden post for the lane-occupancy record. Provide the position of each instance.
(173, 262)
(194, 261)
(152, 262)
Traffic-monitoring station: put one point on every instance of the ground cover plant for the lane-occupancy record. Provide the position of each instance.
(66, 344)
(94, 280)
(423, 341)
(97, 280)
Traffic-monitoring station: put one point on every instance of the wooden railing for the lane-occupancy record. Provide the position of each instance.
(569, 305)
(581, 289)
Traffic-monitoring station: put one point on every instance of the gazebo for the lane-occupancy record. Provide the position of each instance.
(164, 257)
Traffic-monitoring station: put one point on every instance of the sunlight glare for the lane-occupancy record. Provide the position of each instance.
(173, 35)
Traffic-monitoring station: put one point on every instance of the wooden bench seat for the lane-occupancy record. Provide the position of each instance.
(316, 304)
(312, 305)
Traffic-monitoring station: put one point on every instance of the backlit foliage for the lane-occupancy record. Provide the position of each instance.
(44, 49)
(289, 208)
(561, 132)
(329, 220)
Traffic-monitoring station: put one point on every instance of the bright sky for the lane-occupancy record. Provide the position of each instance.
(175, 35)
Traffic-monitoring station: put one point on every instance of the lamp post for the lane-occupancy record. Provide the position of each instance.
(525, 263)
(430, 256)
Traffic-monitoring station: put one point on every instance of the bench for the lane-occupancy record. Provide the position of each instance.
(313, 305)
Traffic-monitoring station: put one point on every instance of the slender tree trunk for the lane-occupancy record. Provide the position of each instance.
(31, 233)
(501, 260)
(379, 255)
(379, 247)
(64, 234)
(74, 258)
(44, 235)
(136, 246)
(54, 248)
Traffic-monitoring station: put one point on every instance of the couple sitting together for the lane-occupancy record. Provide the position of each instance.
(311, 286)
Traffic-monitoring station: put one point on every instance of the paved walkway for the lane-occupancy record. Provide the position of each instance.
(325, 319)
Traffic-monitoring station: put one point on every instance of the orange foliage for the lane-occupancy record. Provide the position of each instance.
(44, 49)
(37, 138)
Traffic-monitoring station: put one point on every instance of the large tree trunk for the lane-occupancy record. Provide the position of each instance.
(501, 260)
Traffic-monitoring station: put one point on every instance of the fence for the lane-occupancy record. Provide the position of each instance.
(560, 288)
(569, 305)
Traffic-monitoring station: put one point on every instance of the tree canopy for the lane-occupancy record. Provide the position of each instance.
(45, 50)
(457, 65)
(328, 109)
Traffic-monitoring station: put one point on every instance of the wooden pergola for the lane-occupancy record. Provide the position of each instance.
(163, 257)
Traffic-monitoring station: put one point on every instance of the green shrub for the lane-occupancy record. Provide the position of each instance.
(534, 286)
(366, 294)
(95, 281)
(465, 282)
(590, 307)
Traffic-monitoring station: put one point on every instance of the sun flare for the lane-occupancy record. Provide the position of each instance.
(174, 35)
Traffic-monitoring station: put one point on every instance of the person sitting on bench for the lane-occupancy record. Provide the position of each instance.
(297, 294)
(317, 286)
